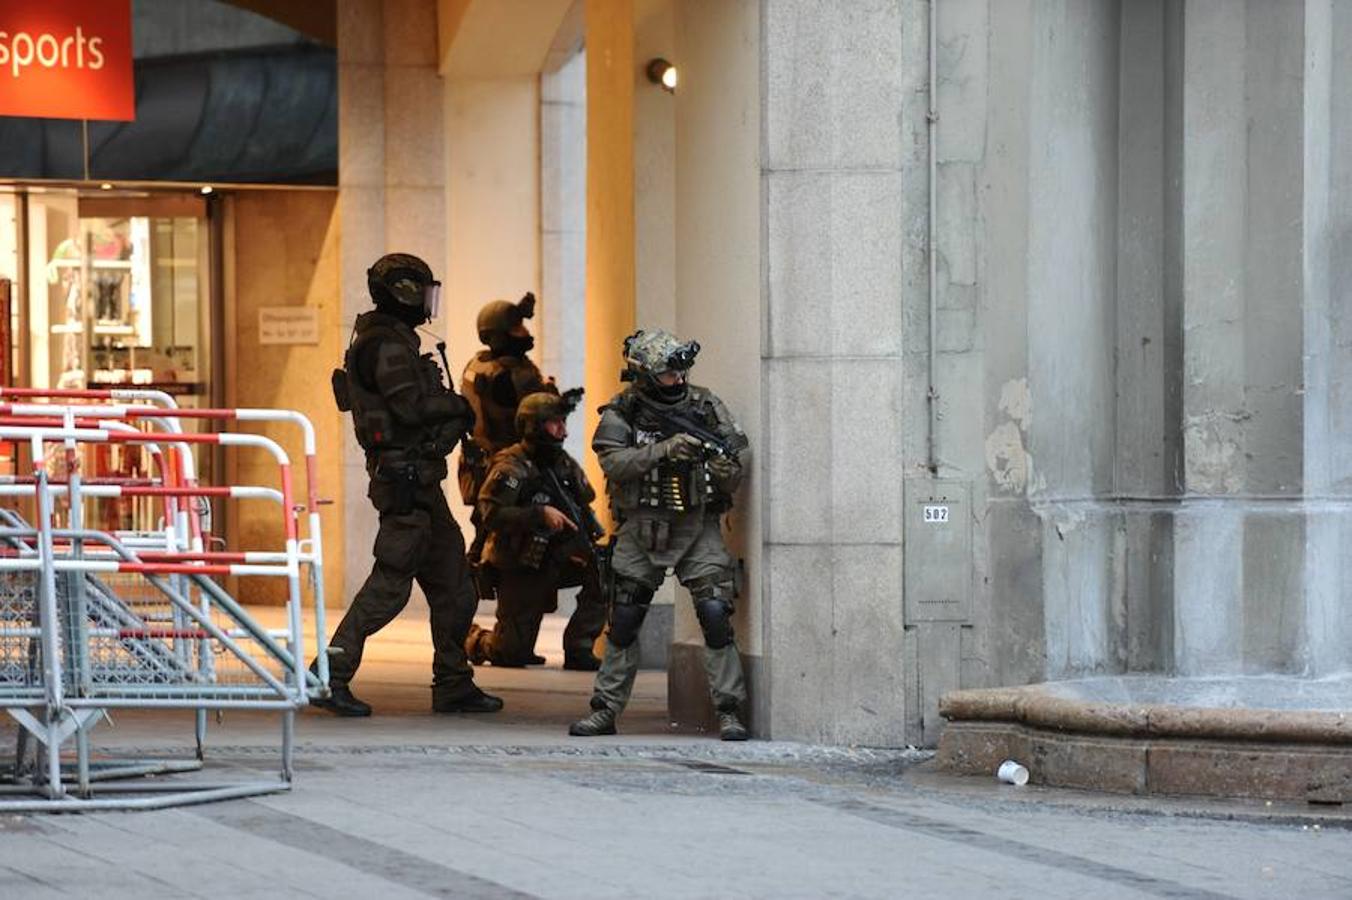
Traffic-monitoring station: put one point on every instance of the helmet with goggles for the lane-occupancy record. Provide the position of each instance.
(403, 284)
(651, 355)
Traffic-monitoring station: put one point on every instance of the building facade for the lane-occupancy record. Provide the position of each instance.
(1032, 310)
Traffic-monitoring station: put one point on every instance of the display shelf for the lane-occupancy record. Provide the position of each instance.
(68, 328)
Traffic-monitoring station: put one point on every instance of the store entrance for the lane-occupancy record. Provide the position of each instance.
(109, 290)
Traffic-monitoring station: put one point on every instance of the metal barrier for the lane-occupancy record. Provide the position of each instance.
(92, 620)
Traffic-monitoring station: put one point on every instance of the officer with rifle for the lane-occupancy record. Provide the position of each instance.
(407, 421)
(535, 510)
(673, 457)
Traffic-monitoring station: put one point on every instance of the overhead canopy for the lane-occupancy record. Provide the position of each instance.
(266, 115)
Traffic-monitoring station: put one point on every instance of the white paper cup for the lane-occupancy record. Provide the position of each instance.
(1011, 772)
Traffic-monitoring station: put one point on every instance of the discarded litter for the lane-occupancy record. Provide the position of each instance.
(1010, 772)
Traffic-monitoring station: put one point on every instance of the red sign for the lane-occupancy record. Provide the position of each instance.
(66, 59)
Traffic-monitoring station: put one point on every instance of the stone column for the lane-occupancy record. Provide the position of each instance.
(391, 179)
(832, 463)
(610, 202)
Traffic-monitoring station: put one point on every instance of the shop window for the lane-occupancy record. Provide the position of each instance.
(118, 298)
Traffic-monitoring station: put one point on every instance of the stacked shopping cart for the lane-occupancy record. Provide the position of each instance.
(95, 619)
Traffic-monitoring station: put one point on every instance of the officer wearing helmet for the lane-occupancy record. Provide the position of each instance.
(407, 421)
(494, 382)
(673, 457)
(535, 510)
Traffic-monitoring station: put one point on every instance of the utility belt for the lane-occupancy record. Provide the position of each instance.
(404, 477)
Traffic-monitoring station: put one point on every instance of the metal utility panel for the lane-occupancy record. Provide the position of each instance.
(937, 538)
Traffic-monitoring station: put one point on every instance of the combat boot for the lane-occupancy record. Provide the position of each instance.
(476, 701)
(342, 702)
(730, 728)
(601, 721)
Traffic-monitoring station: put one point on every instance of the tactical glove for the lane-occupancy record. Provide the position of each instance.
(682, 448)
(726, 472)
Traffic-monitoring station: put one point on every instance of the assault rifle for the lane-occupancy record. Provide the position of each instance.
(581, 514)
(675, 422)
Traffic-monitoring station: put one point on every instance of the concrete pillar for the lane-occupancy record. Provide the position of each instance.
(717, 248)
(832, 375)
(493, 205)
(391, 179)
(562, 324)
(610, 201)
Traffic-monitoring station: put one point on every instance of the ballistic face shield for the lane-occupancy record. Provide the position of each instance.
(432, 300)
(405, 281)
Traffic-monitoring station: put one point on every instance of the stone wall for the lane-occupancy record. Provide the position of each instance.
(1136, 363)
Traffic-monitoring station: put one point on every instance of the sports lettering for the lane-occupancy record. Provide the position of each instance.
(48, 50)
(66, 59)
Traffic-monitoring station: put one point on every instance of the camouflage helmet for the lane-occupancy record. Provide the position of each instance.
(400, 278)
(650, 353)
(537, 408)
(499, 317)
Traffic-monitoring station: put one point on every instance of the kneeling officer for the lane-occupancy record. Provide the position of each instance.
(407, 421)
(535, 508)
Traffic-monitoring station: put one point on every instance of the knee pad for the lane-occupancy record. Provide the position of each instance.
(628, 612)
(715, 620)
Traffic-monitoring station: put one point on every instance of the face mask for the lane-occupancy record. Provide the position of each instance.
(518, 346)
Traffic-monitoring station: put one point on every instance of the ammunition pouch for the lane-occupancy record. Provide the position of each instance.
(341, 396)
(473, 471)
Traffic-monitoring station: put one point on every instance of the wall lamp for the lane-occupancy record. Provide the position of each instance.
(664, 74)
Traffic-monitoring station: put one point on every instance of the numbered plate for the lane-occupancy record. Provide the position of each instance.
(936, 513)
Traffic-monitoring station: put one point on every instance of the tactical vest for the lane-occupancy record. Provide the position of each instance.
(495, 422)
(531, 550)
(670, 486)
(378, 432)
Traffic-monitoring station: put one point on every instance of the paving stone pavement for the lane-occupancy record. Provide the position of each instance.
(408, 804)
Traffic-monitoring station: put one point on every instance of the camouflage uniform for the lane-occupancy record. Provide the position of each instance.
(407, 421)
(531, 563)
(669, 508)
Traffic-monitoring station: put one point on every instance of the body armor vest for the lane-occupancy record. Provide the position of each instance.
(378, 431)
(494, 420)
(530, 550)
(677, 487)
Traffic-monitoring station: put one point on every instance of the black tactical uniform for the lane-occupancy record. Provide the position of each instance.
(673, 458)
(530, 561)
(407, 421)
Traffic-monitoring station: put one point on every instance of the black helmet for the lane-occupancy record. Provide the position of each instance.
(403, 284)
(499, 317)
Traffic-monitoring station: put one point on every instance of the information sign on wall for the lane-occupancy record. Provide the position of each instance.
(288, 325)
(66, 59)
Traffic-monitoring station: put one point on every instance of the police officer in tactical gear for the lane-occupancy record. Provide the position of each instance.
(535, 508)
(673, 458)
(494, 382)
(407, 421)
